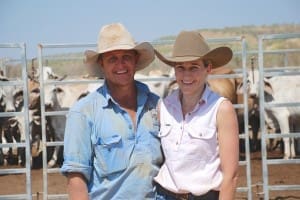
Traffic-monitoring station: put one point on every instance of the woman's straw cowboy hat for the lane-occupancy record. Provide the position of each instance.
(116, 37)
(191, 46)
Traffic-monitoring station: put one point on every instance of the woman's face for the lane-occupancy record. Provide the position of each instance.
(191, 76)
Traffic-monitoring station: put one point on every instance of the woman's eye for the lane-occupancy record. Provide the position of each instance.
(179, 68)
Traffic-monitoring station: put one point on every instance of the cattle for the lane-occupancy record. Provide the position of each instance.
(11, 97)
(36, 140)
(280, 89)
(57, 97)
(61, 98)
(13, 132)
(48, 74)
(35, 117)
(157, 81)
(11, 100)
(227, 87)
(11, 128)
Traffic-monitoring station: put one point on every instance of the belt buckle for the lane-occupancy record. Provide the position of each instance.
(183, 196)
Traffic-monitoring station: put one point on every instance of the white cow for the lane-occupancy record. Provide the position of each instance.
(61, 98)
(157, 82)
(280, 89)
(11, 97)
(11, 128)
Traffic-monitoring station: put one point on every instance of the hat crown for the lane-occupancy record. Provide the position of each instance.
(190, 43)
(114, 36)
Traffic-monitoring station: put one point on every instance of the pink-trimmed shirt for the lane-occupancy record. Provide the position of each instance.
(190, 145)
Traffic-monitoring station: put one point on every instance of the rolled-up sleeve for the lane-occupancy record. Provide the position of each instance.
(77, 145)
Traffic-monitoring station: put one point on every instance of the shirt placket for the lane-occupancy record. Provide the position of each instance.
(180, 135)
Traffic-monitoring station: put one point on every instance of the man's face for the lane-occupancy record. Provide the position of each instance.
(119, 66)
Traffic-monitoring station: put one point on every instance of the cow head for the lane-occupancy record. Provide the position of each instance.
(11, 98)
(252, 84)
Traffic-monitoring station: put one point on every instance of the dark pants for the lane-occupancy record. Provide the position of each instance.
(163, 194)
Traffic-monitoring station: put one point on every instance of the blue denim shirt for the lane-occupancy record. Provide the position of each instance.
(100, 142)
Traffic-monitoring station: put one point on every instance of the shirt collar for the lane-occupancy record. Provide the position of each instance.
(142, 94)
(205, 94)
(175, 96)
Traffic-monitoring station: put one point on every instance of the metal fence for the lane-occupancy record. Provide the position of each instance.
(241, 72)
(264, 72)
(25, 114)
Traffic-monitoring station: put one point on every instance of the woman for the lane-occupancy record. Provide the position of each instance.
(199, 131)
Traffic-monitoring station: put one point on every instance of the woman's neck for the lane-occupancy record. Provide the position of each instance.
(188, 102)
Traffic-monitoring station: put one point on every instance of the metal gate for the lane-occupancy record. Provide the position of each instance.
(24, 114)
(264, 72)
(240, 73)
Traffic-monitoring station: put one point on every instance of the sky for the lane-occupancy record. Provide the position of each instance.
(79, 21)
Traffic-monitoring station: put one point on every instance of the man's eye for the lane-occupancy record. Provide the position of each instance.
(127, 58)
(112, 60)
(195, 68)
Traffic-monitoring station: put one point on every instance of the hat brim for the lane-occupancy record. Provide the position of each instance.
(219, 57)
(144, 49)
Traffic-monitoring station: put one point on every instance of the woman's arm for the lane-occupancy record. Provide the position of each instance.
(77, 188)
(228, 137)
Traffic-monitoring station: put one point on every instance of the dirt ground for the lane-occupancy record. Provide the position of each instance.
(278, 175)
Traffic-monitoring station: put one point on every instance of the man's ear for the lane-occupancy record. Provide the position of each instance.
(137, 57)
(209, 68)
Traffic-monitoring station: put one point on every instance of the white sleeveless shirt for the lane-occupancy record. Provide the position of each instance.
(190, 145)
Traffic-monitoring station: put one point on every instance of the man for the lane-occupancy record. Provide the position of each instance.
(111, 148)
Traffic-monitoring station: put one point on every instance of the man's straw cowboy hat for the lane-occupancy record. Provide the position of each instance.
(116, 37)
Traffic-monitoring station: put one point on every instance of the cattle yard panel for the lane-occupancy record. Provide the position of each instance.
(241, 73)
(25, 114)
(44, 113)
(217, 40)
(263, 105)
(47, 170)
(245, 136)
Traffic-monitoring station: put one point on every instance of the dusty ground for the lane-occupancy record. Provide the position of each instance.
(288, 174)
(278, 174)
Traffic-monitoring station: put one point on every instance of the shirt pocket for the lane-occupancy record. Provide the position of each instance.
(165, 130)
(201, 133)
(167, 141)
(200, 143)
(110, 155)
